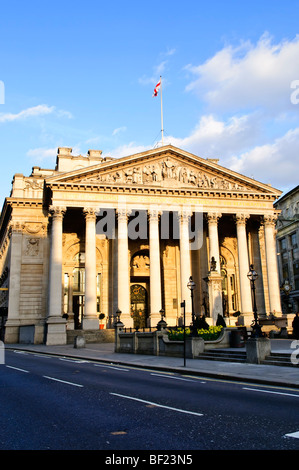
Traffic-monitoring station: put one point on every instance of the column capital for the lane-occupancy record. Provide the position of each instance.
(184, 215)
(57, 211)
(154, 214)
(123, 214)
(270, 219)
(213, 217)
(241, 218)
(89, 213)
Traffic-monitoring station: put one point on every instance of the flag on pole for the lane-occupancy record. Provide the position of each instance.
(157, 88)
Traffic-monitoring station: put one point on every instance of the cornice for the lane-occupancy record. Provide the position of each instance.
(157, 190)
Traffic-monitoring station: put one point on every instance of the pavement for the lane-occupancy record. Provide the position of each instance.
(244, 372)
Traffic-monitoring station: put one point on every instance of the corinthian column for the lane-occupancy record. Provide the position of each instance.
(185, 261)
(56, 332)
(123, 279)
(272, 267)
(155, 269)
(90, 320)
(243, 258)
(214, 277)
(213, 218)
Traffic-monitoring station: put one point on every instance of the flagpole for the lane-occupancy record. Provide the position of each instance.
(162, 129)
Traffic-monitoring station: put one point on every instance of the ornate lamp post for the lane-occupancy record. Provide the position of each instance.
(286, 288)
(191, 285)
(257, 330)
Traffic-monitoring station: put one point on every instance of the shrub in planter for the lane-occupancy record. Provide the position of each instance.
(210, 334)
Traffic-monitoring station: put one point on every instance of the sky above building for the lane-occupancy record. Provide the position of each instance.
(82, 74)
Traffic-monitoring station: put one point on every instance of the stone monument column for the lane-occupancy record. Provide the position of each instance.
(213, 218)
(272, 266)
(13, 319)
(123, 272)
(56, 325)
(90, 318)
(243, 258)
(214, 276)
(185, 262)
(155, 268)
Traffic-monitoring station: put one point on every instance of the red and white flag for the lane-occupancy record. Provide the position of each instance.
(157, 88)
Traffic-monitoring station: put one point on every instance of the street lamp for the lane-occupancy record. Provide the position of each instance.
(252, 276)
(191, 285)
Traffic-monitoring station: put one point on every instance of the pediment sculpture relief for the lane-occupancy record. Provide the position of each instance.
(167, 172)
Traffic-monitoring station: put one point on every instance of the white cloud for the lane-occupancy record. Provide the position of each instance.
(39, 110)
(275, 163)
(214, 137)
(118, 130)
(125, 150)
(40, 154)
(249, 76)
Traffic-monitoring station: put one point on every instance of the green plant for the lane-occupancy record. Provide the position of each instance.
(210, 334)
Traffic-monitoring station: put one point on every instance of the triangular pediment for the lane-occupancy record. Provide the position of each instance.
(165, 167)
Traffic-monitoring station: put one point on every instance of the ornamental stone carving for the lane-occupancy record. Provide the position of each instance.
(270, 219)
(57, 211)
(32, 247)
(241, 218)
(165, 172)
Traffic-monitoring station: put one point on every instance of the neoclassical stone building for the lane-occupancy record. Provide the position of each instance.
(287, 237)
(101, 235)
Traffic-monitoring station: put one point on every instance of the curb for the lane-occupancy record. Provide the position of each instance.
(179, 370)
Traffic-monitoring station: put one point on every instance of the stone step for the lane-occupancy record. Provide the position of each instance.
(226, 356)
(279, 359)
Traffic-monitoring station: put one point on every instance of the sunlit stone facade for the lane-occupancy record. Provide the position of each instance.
(102, 235)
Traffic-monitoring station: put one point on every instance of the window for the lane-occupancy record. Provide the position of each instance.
(294, 240)
(99, 293)
(296, 268)
(283, 244)
(79, 280)
(285, 271)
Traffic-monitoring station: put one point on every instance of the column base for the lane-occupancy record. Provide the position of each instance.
(154, 319)
(215, 296)
(257, 350)
(246, 319)
(56, 331)
(91, 322)
(127, 320)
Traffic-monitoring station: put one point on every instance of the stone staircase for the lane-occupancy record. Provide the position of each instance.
(223, 355)
(279, 359)
(274, 359)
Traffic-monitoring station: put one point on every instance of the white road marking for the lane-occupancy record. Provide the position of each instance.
(172, 377)
(76, 361)
(111, 367)
(293, 434)
(157, 404)
(62, 381)
(16, 368)
(270, 391)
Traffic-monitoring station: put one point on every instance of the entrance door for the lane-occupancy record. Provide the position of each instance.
(139, 306)
(78, 309)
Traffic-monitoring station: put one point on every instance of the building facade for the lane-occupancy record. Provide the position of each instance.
(123, 236)
(288, 249)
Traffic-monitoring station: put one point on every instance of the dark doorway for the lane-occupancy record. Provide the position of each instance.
(78, 309)
(139, 306)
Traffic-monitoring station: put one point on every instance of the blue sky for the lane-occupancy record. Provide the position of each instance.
(82, 74)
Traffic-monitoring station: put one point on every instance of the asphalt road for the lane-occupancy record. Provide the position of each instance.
(56, 403)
